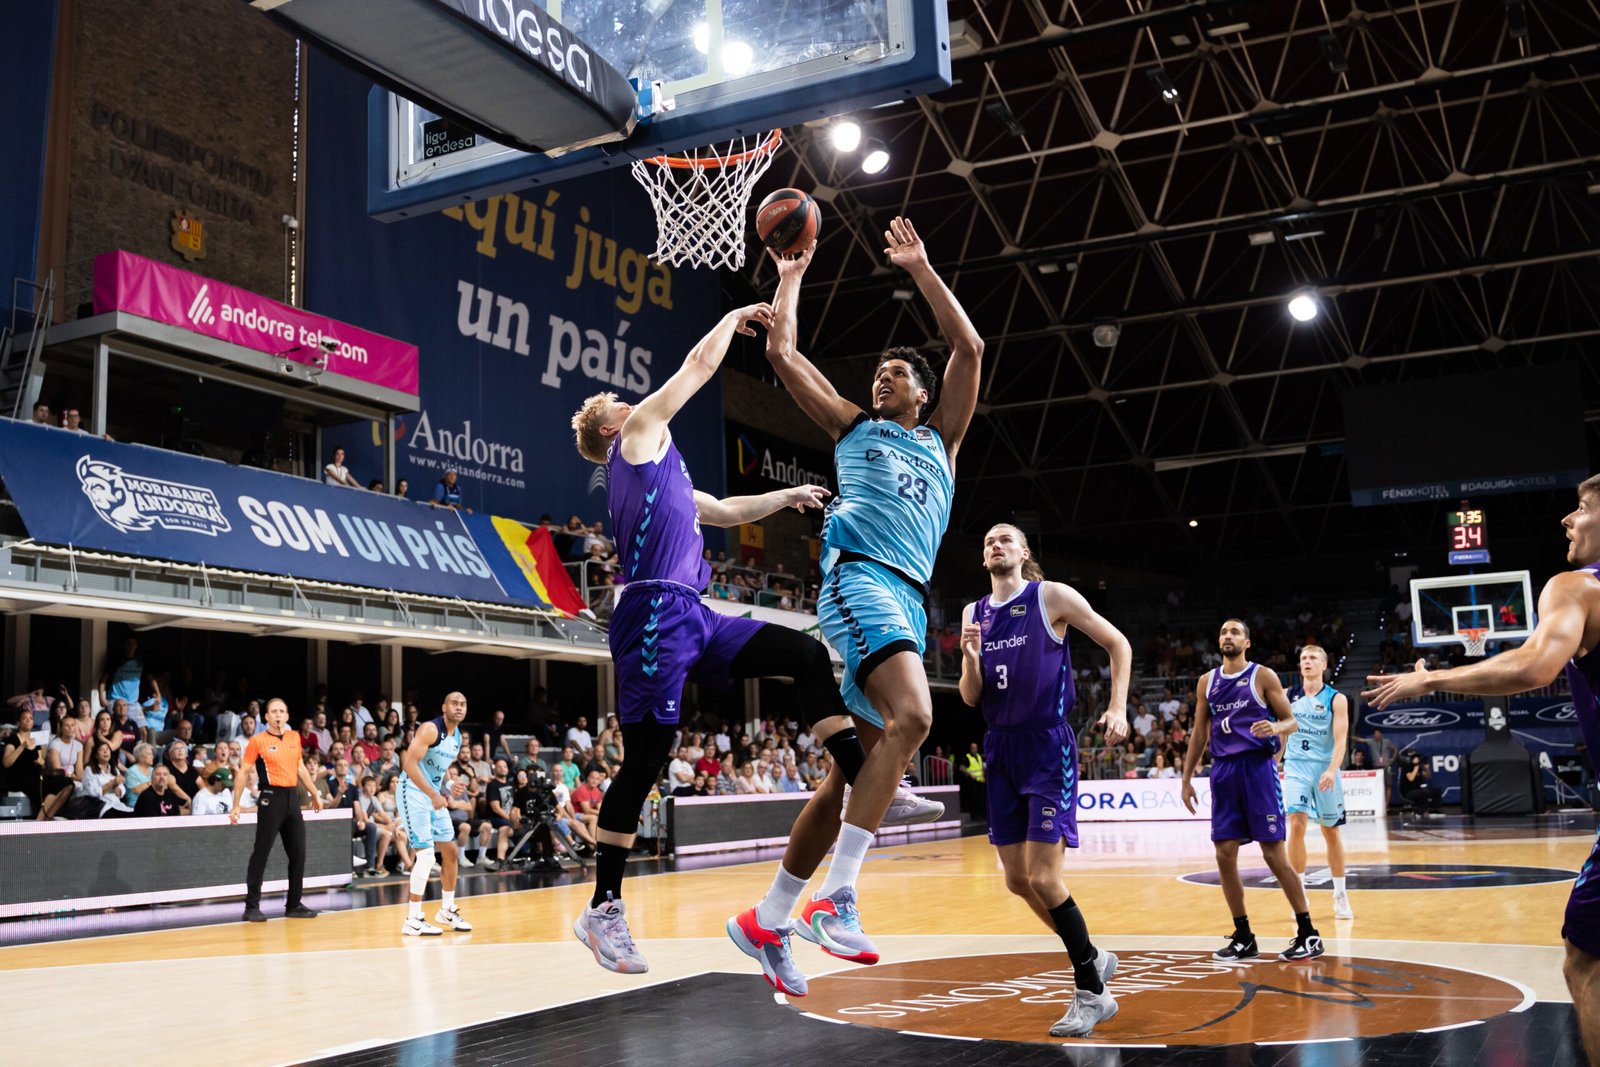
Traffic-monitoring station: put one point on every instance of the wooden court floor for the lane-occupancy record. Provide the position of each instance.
(1451, 943)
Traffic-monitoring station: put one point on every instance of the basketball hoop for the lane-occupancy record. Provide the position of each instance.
(701, 197)
(1473, 638)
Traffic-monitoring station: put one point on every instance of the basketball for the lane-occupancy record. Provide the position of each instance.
(788, 220)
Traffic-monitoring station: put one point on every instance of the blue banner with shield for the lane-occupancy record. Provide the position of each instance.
(76, 489)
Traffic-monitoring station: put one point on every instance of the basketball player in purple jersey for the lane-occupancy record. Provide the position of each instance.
(1015, 666)
(662, 635)
(1566, 638)
(1242, 710)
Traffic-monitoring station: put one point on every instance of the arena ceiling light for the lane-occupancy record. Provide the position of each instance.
(737, 56)
(845, 135)
(1163, 83)
(1303, 306)
(876, 160)
(1106, 333)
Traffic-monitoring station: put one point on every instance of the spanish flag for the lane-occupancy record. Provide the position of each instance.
(532, 570)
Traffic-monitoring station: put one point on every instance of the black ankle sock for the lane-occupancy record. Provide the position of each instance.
(609, 862)
(845, 748)
(1075, 936)
(1302, 922)
(1241, 928)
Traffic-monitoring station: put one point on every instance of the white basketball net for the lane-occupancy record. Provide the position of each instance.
(1474, 641)
(701, 197)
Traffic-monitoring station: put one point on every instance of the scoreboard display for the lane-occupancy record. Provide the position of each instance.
(1469, 536)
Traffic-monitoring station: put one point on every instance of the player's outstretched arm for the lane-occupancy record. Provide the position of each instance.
(971, 684)
(642, 433)
(958, 396)
(1067, 605)
(1276, 699)
(1563, 614)
(810, 387)
(735, 510)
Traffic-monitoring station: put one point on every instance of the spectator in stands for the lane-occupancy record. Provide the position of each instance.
(320, 739)
(572, 537)
(22, 759)
(1416, 784)
(41, 413)
(530, 757)
(494, 737)
(154, 706)
(366, 823)
(567, 770)
(369, 742)
(101, 785)
(63, 768)
(139, 772)
(596, 539)
(248, 724)
(578, 736)
(388, 762)
(161, 797)
(789, 780)
(1380, 749)
(122, 681)
(213, 798)
(748, 783)
(446, 494)
(1160, 768)
(709, 762)
(336, 473)
(308, 736)
(1169, 706)
(400, 840)
(184, 774)
(376, 486)
(34, 700)
(1358, 759)
(610, 744)
(1144, 723)
(949, 649)
(105, 729)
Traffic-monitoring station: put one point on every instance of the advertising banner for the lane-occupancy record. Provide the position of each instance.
(76, 489)
(523, 305)
(1522, 713)
(1161, 799)
(759, 462)
(151, 290)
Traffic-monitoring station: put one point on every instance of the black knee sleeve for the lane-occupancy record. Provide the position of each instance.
(647, 744)
(778, 652)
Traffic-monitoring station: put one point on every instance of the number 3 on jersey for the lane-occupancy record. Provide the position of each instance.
(914, 489)
(1000, 676)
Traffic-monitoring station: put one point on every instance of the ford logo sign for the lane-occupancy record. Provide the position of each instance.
(1557, 713)
(1412, 718)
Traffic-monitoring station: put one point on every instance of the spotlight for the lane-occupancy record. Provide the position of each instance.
(904, 294)
(1333, 51)
(701, 36)
(1106, 332)
(1193, 523)
(1303, 306)
(1049, 267)
(1261, 237)
(877, 158)
(1163, 83)
(846, 135)
(737, 57)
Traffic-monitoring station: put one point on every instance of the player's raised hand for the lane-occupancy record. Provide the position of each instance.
(746, 319)
(972, 641)
(1115, 724)
(1190, 798)
(1389, 688)
(903, 247)
(805, 496)
(793, 264)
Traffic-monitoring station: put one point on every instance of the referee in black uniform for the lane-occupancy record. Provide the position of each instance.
(275, 754)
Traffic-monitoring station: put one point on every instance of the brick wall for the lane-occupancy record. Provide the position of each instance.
(177, 104)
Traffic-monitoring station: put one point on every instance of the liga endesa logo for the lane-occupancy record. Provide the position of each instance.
(131, 503)
(1167, 997)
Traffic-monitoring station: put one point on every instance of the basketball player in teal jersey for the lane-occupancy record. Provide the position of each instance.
(896, 469)
(1312, 788)
(424, 810)
(1566, 639)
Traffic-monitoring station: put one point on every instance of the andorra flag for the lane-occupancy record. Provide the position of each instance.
(531, 568)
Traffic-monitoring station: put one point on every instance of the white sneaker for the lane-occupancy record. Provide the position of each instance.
(604, 930)
(907, 808)
(1086, 1011)
(1341, 905)
(420, 928)
(451, 919)
(463, 861)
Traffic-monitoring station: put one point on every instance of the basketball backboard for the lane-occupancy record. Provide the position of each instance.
(1500, 603)
(730, 67)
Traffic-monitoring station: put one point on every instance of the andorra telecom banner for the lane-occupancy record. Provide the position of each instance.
(522, 305)
(151, 290)
(77, 489)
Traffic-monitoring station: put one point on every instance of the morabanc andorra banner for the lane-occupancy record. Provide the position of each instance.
(76, 489)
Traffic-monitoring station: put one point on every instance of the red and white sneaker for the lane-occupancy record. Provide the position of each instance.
(770, 948)
(833, 923)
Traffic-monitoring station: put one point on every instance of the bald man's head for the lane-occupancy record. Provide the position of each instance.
(454, 708)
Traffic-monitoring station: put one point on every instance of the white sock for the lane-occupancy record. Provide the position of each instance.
(415, 911)
(780, 899)
(847, 856)
(449, 899)
(1338, 883)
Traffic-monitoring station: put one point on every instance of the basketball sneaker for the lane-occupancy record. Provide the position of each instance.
(770, 948)
(461, 858)
(604, 930)
(1238, 949)
(1341, 906)
(419, 927)
(909, 809)
(833, 923)
(450, 919)
(1086, 1011)
(1303, 947)
(1105, 964)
